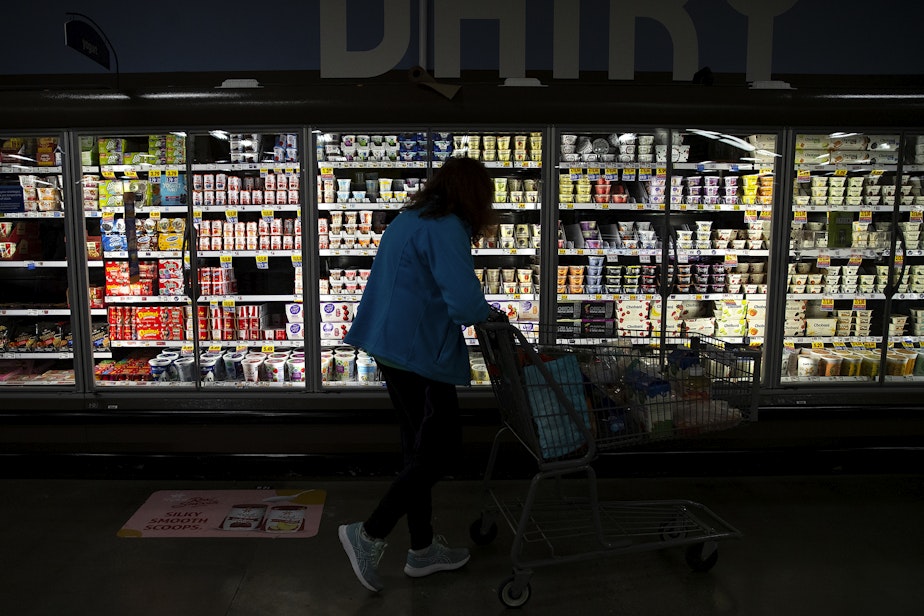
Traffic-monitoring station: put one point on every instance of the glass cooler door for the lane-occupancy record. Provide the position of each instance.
(135, 208)
(36, 344)
(507, 258)
(904, 362)
(611, 232)
(721, 195)
(364, 176)
(837, 326)
(246, 202)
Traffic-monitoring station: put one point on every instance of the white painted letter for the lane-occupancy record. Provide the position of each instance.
(447, 35)
(670, 14)
(338, 61)
(760, 33)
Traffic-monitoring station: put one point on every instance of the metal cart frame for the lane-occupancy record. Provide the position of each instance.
(580, 528)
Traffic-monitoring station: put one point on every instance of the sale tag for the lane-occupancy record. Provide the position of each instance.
(227, 304)
(214, 348)
(899, 258)
(197, 216)
(916, 216)
(875, 173)
(731, 260)
(172, 173)
(268, 348)
(818, 344)
(241, 348)
(750, 215)
(800, 216)
(262, 262)
(628, 174)
(804, 175)
(154, 176)
(186, 349)
(296, 260)
(231, 215)
(267, 215)
(327, 173)
(866, 216)
(155, 214)
(661, 172)
(644, 174)
(789, 344)
(859, 303)
(824, 261)
(226, 261)
(827, 304)
(840, 172)
(855, 259)
(611, 175)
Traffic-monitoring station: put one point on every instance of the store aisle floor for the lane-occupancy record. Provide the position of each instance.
(813, 545)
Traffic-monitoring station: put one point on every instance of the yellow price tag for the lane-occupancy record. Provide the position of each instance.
(263, 171)
(327, 171)
(227, 303)
(908, 345)
(855, 259)
(268, 348)
(916, 216)
(731, 259)
(869, 344)
(215, 348)
(172, 173)
(800, 216)
(262, 258)
(818, 344)
(186, 349)
(859, 303)
(823, 261)
(593, 171)
(230, 214)
(225, 260)
(789, 344)
(804, 175)
(840, 172)
(866, 216)
(827, 304)
(876, 172)
(296, 260)
(153, 173)
(241, 348)
(661, 172)
(155, 214)
(265, 213)
(766, 171)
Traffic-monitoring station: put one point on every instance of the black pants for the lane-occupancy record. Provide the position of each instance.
(431, 439)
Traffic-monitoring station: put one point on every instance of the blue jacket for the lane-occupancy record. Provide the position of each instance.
(421, 291)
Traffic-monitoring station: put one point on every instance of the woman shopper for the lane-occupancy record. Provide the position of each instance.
(421, 291)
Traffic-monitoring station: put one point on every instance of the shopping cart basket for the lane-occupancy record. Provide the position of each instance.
(565, 404)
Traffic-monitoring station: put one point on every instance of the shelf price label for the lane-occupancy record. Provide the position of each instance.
(628, 174)
(827, 304)
(866, 216)
(916, 216)
(172, 173)
(611, 175)
(296, 260)
(800, 216)
(661, 172)
(750, 215)
(268, 348)
(789, 344)
(859, 303)
(215, 348)
(840, 171)
(818, 344)
(875, 173)
(731, 260)
(327, 173)
(231, 215)
(226, 261)
(227, 304)
(644, 174)
(824, 261)
(262, 262)
(803, 175)
(855, 259)
(154, 176)
(899, 258)
(267, 215)
(186, 349)
(154, 214)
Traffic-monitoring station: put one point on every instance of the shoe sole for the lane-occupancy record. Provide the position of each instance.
(418, 572)
(348, 548)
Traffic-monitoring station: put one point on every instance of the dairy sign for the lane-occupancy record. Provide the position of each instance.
(439, 26)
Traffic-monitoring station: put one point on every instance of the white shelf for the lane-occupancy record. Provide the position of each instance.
(163, 209)
(250, 298)
(291, 207)
(27, 169)
(825, 379)
(504, 251)
(838, 296)
(362, 205)
(36, 383)
(33, 264)
(233, 344)
(348, 252)
(54, 214)
(35, 312)
(630, 252)
(248, 253)
(251, 385)
(502, 164)
(832, 339)
(373, 164)
(146, 344)
(145, 254)
(140, 168)
(503, 297)
(716, 296)
(848, 167)
(146, 384)
(147, 299)
(275, 167)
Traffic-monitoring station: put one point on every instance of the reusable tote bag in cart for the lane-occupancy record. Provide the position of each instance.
(558, 434)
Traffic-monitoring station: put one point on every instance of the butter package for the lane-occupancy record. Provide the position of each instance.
(169, 241)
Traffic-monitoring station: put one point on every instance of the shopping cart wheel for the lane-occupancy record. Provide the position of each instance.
(509, 596)
(483, 531)
(702, 556)
(673, 530)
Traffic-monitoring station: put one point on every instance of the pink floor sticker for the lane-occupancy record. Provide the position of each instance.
(228, 513)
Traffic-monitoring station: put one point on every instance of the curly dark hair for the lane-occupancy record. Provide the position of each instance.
(462, 187)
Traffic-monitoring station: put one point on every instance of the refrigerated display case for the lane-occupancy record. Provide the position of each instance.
(840, 325)
(663, 233)
(36, 336)
(195, 258)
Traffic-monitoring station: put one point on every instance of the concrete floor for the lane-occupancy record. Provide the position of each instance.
(831, 544)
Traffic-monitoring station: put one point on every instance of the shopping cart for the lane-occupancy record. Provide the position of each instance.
(566, 404)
